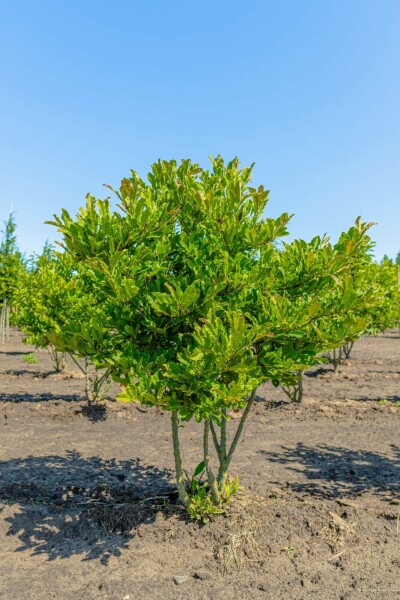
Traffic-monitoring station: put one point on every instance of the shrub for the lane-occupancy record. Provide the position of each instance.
(53, 294)
(194, 314)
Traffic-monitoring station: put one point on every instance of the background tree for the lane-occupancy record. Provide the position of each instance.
(379, 290)
(383, 312)
(11, 268)
(373, 307)
(319, 278)
(53, 294)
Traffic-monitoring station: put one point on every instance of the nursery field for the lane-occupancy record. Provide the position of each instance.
(88, 507)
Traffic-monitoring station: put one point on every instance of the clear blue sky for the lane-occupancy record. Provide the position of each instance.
(308, 90)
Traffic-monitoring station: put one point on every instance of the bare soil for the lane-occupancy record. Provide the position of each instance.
(88, 507)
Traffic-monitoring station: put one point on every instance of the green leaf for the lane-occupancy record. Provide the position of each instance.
(199, 469)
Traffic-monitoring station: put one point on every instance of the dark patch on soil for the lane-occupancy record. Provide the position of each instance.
(340, 471)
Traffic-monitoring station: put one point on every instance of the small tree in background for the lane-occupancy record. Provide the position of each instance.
(364, 296)
(11, 269)
(378, 302)
(375, 304)
(43, 302)
(384, 312)
(192, 315)
(320, 278)
(51, 295)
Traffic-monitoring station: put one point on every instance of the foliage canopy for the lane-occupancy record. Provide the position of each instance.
(197, 306)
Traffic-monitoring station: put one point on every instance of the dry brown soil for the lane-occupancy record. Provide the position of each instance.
(88, 506)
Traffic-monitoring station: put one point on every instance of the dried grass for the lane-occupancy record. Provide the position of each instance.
(242, 547)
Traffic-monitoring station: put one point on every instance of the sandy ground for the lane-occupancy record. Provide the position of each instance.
(88, 505)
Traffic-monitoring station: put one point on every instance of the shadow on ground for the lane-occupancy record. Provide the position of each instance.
(336, 472)
(93, 411)
(25, 397)
(72, 505)
(381, 399)
(270, 404)
(22, 372)
(325, 370)
(14, 352)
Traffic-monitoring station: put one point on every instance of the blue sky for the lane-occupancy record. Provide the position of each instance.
(308, 90)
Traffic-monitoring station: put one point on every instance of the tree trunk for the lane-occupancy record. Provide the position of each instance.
(347, 348)
(225, 458)
(58, 359)
(183, 496)
(5, 321)
(295, 392)
(88, 382)
(210, 474)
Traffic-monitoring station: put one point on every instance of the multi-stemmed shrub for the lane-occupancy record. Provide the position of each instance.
(372, 306)
(42, 302)
(320, 276)
(384, 312)
(194, 310)
(379, 302)
(51, 295)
